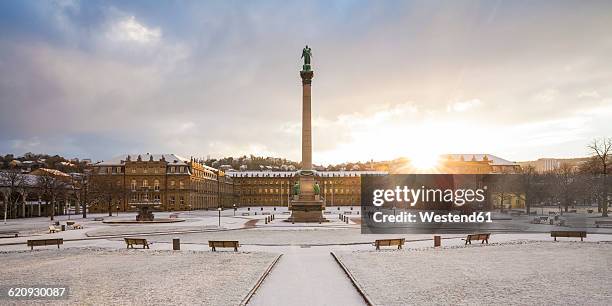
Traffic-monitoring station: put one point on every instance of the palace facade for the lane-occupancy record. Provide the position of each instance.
(168, 180)
(267, 188)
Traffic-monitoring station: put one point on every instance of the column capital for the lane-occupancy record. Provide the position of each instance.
(306, 76)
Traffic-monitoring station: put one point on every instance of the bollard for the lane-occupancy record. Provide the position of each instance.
(63, 227)
(274, 208)
(176, 244)
(346, 219)
(266, 220)
(248, 209)
(437, 241)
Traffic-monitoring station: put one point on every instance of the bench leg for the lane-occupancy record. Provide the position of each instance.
(399, 246)
(555, 238)
(32, 248)
(214, 249)
(58, 245)
(378, 247)
(235, 249)
(581, 239)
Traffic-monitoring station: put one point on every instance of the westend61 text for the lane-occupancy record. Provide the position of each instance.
(431, 217)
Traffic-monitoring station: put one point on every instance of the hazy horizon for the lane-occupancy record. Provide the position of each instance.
(97, 79)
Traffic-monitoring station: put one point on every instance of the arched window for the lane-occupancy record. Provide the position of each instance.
(156, 185)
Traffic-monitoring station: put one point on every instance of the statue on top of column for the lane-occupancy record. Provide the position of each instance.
(306, 55)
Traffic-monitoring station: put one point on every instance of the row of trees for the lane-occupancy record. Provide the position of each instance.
(17, 188)
(565, 186)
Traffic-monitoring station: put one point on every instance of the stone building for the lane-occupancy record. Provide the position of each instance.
(174, 182)
(267, 188)
(477, 164)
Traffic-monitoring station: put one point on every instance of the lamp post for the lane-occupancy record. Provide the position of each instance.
(219, 209)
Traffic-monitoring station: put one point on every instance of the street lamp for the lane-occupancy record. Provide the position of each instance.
(219, 209)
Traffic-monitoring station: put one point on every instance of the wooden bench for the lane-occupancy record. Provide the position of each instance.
(44, 242)
(53, 229)
(9, 234)
(483, 237)
(569, 234)
(603, 223)
(214, 244)
(390, 242)
(130, 242)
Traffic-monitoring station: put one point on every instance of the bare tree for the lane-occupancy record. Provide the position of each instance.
(11, 181)
(53, 188)
(81, 185)
(602, 149)
(564, 181)
(107, 191)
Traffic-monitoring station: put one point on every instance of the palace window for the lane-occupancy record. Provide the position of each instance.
(133, 185)
(156, 185)
(182, 200)
(145, 183)
(172, 200)
(144, 170)
(181, 185)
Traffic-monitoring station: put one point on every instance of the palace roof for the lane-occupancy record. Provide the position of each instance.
(494, 160)
(293, 173)
(171, 159)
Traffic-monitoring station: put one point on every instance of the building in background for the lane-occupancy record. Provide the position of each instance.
(546, 165)
(171, 181)
(273, 188)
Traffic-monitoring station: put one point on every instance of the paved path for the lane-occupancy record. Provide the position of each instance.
(307, 276)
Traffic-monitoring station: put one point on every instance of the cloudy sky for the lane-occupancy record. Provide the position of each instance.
(520, 80)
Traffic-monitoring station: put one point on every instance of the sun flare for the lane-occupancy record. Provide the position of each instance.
(425, 161)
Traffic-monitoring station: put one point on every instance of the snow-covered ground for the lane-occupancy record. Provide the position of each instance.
(521, 272)
(99, 276)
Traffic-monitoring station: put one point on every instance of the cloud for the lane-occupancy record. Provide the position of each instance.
(463, 106)
(130, 30)
(97, 79)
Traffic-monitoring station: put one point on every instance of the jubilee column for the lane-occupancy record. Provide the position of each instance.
(306, 204)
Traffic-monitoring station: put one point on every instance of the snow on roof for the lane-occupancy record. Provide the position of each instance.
(121, 159)
(28, 179)
(293, 173)
(495, 161)
(53, 172)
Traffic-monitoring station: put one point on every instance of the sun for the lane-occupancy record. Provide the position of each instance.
(424, 161)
